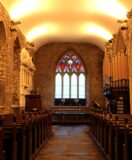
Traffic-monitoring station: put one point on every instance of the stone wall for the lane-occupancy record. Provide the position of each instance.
(11, 43)
(46, 59)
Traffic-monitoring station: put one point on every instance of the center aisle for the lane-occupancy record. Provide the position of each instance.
(70, 143)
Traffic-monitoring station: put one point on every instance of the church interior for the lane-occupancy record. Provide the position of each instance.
(65, 80)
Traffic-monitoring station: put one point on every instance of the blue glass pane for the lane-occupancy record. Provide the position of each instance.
(66, 57)
(74, 57)
(63, 62)
(77, 62)
(70, 62)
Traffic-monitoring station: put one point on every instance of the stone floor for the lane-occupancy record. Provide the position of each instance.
(70, 143)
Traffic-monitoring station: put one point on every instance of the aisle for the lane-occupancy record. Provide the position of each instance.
(69, 143)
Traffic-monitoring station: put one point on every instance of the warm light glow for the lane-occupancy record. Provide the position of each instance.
(95, 29)
(69, 16)
(40, 31)
(36, 32)
(22, 8)
(26, 7)
(108, 7)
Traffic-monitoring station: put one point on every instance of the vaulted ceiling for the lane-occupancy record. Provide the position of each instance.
(44, 21)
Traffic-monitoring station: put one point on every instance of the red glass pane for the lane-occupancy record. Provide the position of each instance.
(74, 69)
(66, 69)
(78, 66)
(62, 66)
(81, 68)
(59, 68)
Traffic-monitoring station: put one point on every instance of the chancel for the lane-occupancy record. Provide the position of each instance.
(65, 79)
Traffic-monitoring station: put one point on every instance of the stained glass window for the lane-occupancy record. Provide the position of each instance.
(72, 72)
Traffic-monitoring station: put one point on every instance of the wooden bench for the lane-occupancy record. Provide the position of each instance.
(127, 146)
(23, 135)
(110, 133)
(1, 138)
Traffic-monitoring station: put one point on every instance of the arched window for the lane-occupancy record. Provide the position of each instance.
(70, 78)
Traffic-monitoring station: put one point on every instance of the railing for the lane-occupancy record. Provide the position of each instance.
(70, 118)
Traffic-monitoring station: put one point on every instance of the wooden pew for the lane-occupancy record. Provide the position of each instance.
(23, 135)
(127, 146)
(108, 132)
(1, 138)
(119, 136)
(20, 137)
(10, 144)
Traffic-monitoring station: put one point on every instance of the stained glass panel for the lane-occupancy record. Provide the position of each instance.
(63, 62)
(74, 69)
(66, 69)
(74, 57)
(66, 57)
(70, 59)
(70, 62)
(77, 62)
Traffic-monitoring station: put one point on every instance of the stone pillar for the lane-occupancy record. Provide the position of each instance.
(5, 75)
(2, 75)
